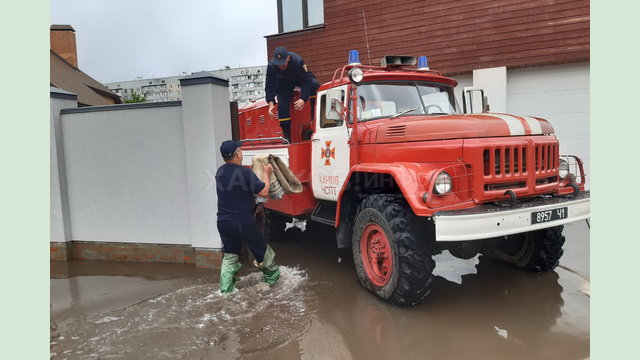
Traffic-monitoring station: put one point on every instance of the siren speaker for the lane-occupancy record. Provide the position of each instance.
(398, 60)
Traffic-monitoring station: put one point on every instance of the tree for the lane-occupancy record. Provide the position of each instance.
(135, 98)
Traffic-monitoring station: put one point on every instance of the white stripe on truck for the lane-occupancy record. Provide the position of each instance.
(515, 126)
(534, 125)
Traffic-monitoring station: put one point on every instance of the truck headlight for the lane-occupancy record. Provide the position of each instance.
(356, 75)
(443, 183)
(563, 169)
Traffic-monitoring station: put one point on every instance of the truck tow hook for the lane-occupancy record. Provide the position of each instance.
(576, 189)
(513, 199)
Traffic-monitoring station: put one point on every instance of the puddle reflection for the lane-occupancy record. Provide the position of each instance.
(496, 314)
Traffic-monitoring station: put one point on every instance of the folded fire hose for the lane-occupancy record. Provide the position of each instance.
(284, 181)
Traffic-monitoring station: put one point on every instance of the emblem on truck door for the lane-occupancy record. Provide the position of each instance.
(328, 153)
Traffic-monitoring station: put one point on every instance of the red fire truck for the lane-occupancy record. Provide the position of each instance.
(391, 160)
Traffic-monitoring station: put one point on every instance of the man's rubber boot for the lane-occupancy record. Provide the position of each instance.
(230, 267)
(269, 267)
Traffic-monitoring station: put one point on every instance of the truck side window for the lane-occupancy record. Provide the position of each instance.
(324, 107)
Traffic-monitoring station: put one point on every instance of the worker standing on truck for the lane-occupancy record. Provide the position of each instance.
(236, 185)
(286, 71)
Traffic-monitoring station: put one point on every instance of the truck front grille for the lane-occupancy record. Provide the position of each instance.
(512, 160)
(505, 160)
(526, 165)
(546, 158)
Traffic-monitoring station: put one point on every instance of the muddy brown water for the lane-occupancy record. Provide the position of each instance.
(102, 310)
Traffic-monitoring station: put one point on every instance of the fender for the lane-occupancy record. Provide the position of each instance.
(413, 179)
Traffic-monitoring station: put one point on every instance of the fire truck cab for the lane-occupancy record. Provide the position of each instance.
(402, 172)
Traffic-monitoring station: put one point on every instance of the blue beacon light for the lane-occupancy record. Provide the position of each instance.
(354, 58)
(423, 63)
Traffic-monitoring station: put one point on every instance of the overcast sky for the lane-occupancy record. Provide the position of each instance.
(120, 40)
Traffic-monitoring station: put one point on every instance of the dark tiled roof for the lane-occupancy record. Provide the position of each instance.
(67, 77)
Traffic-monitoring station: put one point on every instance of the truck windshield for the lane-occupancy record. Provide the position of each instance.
(388, 99)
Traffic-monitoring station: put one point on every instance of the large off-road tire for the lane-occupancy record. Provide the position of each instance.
(538, 250)
(271, 223)
(391, 252)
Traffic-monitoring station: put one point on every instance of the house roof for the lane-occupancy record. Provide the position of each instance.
(90, 92)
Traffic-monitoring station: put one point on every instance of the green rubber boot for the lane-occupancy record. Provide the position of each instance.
(230, 267)
(269, 267)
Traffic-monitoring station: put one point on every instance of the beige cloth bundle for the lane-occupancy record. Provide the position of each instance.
(284, 181)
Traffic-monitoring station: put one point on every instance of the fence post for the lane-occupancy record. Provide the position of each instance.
(205, 118)
(60, 224)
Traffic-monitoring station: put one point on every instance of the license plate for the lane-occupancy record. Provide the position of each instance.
(538, 217)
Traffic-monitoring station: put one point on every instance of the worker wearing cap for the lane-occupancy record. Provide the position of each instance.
(286, 71)
(236, 186)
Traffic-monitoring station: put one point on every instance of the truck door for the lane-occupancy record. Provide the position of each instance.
(330, 149)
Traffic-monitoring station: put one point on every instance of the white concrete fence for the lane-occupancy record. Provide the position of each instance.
(139, 173)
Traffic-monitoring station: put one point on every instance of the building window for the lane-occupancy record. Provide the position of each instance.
(315, 12)
(299, 14)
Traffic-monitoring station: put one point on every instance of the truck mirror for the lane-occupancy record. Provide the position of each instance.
(485, 104)
(474, 101)
(335, 111)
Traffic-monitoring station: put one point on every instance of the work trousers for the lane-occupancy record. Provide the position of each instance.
(284, 113)
(236, 233)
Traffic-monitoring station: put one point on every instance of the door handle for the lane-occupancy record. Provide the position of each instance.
(315, 139)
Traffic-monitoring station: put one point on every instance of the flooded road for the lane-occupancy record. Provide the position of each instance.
(477, 309)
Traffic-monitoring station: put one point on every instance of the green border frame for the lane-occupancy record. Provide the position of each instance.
(24, 152)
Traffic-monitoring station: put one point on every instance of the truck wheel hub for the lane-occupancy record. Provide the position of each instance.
(375, 250)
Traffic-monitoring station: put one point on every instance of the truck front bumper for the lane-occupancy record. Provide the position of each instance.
(490, 221)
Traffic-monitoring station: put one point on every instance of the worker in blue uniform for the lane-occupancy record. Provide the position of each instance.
(236, 186)
(286, 71)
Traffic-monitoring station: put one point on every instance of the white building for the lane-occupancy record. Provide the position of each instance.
(245, 85)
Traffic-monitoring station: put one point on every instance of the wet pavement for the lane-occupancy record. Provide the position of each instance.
(318, 310)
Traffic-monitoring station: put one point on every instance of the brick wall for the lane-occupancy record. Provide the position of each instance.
(458, 36)
(207, 258)
(90, 250)
(60, 251)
